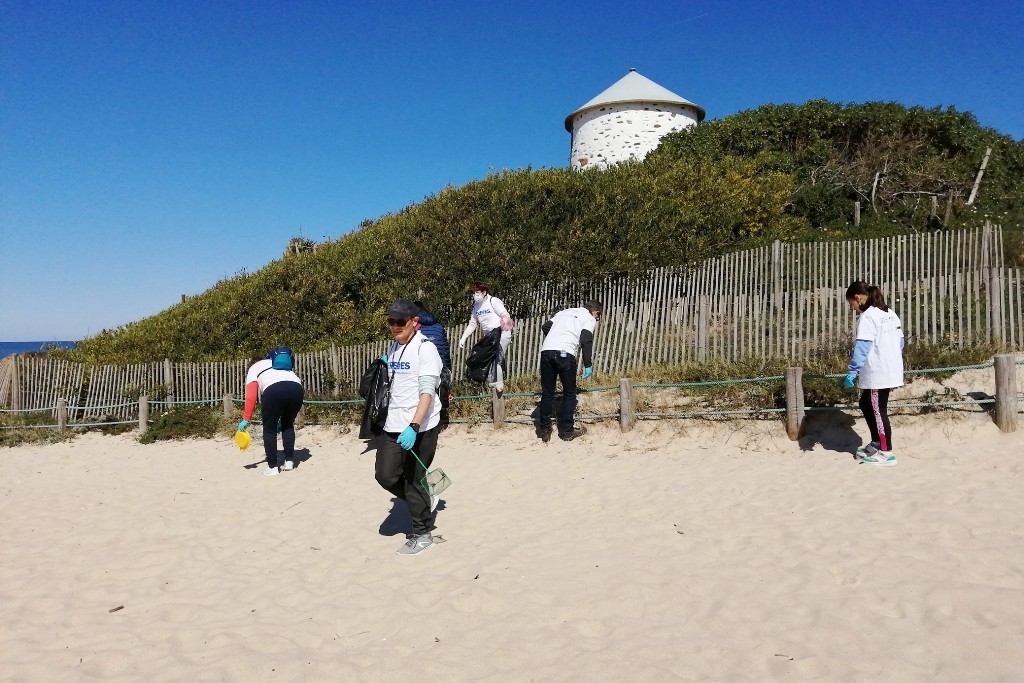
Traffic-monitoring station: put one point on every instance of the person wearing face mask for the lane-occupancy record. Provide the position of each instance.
(489, 314)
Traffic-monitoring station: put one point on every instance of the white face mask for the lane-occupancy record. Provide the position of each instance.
(478, 296)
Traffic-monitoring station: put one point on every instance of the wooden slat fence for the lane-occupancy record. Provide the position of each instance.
(783, 300)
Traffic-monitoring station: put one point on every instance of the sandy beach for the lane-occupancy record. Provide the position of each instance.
(683, 550)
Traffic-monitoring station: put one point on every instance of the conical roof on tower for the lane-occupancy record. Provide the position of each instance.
(634, 88)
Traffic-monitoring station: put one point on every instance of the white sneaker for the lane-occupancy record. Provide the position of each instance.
(270, 472)
(880, 459)
(288, 465)
(434, 500)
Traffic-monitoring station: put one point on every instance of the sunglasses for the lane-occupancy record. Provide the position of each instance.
(398, 322)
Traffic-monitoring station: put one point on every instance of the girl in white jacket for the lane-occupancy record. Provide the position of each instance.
(876, 367)
(489, 313)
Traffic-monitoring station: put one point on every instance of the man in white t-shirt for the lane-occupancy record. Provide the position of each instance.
(413, 421)
(567, 334)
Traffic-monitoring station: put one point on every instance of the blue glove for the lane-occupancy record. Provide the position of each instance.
(848, 381)
(242, 425)
(587, 372)
(384, 357)
(407, 439)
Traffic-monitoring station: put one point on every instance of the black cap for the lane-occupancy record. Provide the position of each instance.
(403, 308)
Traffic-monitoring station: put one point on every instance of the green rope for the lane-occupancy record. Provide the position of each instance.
(347, 401)
(715, 412)
(713, 383)
(922, 371)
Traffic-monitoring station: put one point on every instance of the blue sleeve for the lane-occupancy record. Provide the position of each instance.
(860, 354)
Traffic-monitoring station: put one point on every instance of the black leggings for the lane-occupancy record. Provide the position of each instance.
(280, 402)
(874, 403)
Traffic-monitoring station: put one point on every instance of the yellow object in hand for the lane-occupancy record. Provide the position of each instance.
(242, 439)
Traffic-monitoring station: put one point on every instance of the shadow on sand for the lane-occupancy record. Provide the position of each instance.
(832, 430)
(301, 456)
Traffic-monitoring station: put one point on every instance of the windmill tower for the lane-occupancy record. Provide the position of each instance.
(626, 121)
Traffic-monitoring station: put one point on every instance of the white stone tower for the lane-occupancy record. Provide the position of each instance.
(626, 121)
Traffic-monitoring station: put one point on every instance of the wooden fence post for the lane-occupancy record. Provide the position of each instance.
(169, 380)
(16, 384)
(336, 369)
(62, 414)
(229, 406)
(776, 293)
(627, 408)
(856, 212)
(995, 305)
(143, 414)
(1006, 392)
(498, 408)
(702, 329)
(794, 402)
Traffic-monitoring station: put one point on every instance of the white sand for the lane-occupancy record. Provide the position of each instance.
(678, 551)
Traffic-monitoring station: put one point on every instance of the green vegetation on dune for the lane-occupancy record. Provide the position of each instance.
(779, 172)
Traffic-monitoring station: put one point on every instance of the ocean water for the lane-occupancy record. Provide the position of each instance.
(7, 348)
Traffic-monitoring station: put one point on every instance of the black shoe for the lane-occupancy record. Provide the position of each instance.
(544, 434)
(569, 436)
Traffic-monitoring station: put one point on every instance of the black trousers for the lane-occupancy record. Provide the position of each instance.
(398, 473)
(280, 402)
(874, 403)
(557, 365)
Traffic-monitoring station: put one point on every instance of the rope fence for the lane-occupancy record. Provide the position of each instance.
(1007, 401)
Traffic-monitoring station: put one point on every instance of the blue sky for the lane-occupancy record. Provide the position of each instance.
(150, 149)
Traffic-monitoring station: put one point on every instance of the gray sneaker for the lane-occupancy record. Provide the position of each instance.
(416, 544)
(866, 451)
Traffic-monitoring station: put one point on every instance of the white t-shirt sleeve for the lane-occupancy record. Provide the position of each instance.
(430, 360)
(256, 368)
(498, 306)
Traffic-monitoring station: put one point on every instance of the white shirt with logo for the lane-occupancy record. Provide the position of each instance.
(406, 363)
(487, 313)
(566, 328)
(265, 374)
(883, 368)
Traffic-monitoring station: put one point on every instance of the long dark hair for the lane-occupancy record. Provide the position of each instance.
(875, 296)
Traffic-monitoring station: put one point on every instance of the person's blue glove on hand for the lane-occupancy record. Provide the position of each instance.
(242, 425)
(587, 372)
(384, 357)
(848, 381)
(407, 439)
